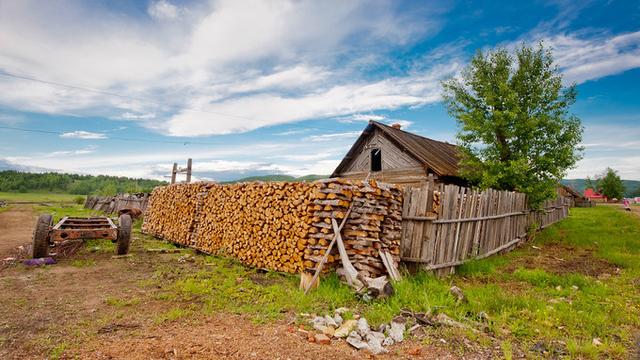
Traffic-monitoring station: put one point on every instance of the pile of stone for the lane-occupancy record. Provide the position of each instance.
(357, 332)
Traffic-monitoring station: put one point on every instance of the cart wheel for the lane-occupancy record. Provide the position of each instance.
(124, 234)
(41, 236)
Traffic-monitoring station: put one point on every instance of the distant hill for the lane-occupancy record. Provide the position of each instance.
(579, 185)
(268, 178)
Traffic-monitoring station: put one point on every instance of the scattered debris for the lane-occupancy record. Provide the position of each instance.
(186, 258)
(322, 339)
(165, 251)
(596, 342)
(346, 328)
(115, 327)
(459, 295)
(39, 261)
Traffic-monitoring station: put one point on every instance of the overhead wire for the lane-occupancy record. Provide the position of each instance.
(109, 93)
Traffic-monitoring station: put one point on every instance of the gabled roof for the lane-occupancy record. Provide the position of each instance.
(440, 157)
(571, 191)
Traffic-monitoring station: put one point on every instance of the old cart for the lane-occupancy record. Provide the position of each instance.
(78, 229)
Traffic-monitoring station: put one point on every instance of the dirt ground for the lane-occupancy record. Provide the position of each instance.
(16, 226)
(67, 311)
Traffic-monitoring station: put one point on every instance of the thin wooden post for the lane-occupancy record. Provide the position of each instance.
(174, 172)
(189, 170)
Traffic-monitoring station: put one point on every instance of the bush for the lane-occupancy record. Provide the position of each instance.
(79, 200)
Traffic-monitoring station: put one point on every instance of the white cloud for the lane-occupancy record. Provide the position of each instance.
(283, 61)
(87, 150)
(582, 58)
(162, 10)
(81, 134)
(329, 137)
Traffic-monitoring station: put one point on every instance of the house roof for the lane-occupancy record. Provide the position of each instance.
(571, 191)
(591, 194)
(440, 157)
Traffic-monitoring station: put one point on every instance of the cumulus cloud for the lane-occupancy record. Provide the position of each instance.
(162, 10)
(214, 68)
(81, 134)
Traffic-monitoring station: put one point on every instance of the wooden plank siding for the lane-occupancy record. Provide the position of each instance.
(468, 224)
(392, 156)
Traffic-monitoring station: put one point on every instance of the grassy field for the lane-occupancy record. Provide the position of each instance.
(40, 197)
(574, 291)
(580, 282)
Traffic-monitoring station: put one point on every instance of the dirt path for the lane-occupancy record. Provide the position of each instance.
(16, 226)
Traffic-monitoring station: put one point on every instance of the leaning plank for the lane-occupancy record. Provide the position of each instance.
(329, 248)
(350, 272)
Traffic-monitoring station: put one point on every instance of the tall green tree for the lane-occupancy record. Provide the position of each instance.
(515, 131)
(609, 184)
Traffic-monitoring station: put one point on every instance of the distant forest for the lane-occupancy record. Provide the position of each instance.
(632, 187)
(14, 181)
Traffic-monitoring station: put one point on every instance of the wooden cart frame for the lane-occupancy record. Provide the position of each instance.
(77, 229)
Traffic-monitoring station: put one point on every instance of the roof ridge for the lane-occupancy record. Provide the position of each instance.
(391, 128)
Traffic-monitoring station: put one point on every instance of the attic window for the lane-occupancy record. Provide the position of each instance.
(376, 160)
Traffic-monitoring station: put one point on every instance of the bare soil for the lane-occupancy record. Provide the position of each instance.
(16, 227)
(564, 259)
(68, 311)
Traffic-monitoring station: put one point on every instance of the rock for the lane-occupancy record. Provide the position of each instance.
(338, 319)
(328, 320)
(374, 341)
(318, 323)
(379, 287)
(329, 331)
(559, 288)
(596, 342)
(354, 339)
(388, 342)
(322, 339)
(378, 335)
(363, 327)
(383, 328)
(396, 332)
(341, 310)
(414, 328)
(483, 316)
(458, 294)
(311, 338)
(575, 288)
(539, 347)
(346, 328)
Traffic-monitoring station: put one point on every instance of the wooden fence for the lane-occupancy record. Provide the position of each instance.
(113, 204)
(445, 225)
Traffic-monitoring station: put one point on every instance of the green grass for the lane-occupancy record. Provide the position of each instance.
(61, 210)
(524, 305)
(38, 197)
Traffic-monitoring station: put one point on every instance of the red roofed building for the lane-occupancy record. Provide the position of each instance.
(594, 196)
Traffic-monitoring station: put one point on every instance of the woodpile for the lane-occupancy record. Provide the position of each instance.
(374, 223)
(282, 226)
(171, 212)
(261, 224)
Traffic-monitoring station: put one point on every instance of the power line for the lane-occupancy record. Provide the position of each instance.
(122, 96)
(114, 138)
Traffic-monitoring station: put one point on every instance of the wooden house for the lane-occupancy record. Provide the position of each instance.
(595, 196)
(574, 197)
(389, 154)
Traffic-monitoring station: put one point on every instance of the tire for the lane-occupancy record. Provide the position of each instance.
(124, 234)
(41, 236)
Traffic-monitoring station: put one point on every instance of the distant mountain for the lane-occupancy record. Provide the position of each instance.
(268, 178)
(579, 185)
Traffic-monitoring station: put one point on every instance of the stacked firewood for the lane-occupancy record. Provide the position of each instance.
(261, 224)
(281, 226)
(171, 213)
(374, 224)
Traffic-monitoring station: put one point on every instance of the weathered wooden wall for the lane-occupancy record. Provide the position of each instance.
(467, 224)
(113, 204)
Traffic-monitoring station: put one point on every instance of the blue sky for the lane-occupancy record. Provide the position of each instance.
(263, 87)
